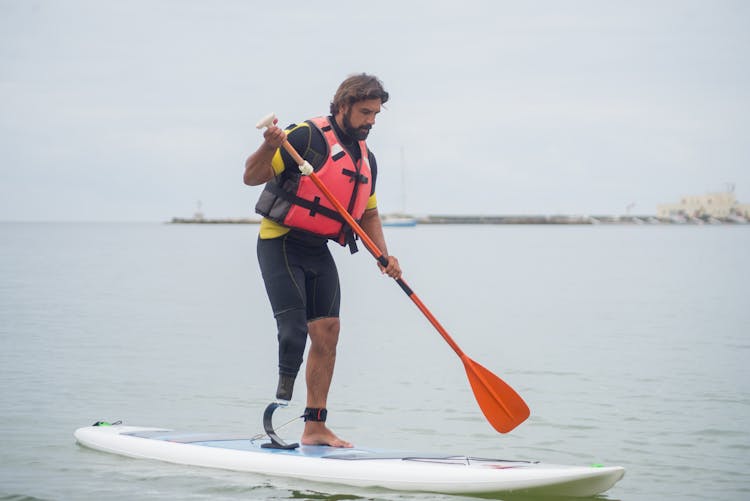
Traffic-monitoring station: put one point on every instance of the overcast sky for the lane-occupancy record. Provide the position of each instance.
(137, 110)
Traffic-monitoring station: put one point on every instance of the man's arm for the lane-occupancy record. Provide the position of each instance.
(258, 168)
(374, 228)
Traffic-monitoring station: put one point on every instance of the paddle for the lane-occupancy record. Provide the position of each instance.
(500, 404)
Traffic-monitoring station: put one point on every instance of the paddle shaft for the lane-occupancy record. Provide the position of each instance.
(383, 260)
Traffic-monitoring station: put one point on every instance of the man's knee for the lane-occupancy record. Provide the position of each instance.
(324, 333)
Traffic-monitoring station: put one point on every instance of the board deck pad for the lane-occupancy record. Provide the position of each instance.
(244, 443)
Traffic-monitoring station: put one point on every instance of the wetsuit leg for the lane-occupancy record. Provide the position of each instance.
(302, 285)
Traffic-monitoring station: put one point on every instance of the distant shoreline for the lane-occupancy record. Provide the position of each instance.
(538, 219)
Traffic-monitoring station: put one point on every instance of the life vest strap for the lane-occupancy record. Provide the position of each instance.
(355, 176)
(313, 206)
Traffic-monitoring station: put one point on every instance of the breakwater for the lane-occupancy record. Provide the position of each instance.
(515, 219)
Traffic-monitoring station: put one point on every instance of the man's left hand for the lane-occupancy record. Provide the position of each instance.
(393, 269)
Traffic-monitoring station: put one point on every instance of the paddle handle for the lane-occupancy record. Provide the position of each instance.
(268, 121)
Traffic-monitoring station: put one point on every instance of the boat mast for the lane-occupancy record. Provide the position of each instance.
(403, 181)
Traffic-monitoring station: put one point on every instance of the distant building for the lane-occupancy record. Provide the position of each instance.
(720, 205)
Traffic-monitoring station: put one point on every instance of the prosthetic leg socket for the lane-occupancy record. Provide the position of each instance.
(286, 387)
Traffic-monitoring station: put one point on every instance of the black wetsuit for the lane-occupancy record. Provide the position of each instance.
(299, 272)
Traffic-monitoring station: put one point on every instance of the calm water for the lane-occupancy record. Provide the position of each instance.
(630, 345)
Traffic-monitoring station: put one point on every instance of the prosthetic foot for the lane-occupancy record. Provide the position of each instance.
(283, 396)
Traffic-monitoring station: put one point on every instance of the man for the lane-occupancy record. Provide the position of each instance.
(298, 270)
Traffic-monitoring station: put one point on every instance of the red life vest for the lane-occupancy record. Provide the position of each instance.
(297, 203)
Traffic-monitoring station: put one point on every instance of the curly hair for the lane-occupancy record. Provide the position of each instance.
(358, 88)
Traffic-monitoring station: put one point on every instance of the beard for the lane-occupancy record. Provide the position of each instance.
(358, 133)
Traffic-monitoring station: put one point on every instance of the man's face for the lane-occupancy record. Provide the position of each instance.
(359, 118)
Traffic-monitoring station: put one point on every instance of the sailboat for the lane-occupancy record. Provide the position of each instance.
(400, 218)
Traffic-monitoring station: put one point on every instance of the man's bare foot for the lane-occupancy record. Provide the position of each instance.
(319, 434)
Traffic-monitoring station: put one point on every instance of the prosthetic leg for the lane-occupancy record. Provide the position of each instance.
(283, 396)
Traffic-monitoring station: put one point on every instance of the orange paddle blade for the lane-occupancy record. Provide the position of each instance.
(501, 405)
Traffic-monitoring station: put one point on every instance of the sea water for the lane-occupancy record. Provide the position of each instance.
(630, 344)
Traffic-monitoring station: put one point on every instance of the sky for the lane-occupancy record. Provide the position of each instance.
(141, 110)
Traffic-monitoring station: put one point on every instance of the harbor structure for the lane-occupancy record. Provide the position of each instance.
(719, 205)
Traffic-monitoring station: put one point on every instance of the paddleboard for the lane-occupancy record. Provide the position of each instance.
(359, 467)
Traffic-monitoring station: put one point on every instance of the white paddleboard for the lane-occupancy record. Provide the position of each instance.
(396, 470)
